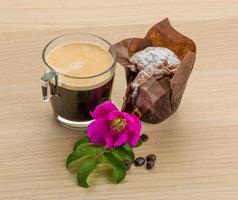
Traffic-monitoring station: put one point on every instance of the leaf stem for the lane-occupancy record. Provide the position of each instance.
(101, 153)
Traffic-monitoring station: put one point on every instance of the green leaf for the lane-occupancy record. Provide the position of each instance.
(83, 140)
(139, 143)
(123, 154)
(129, 150)
(80, 153)
(119, 168)
(127, 147)
(84, 171)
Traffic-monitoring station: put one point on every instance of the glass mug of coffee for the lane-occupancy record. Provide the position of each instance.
(79, 73)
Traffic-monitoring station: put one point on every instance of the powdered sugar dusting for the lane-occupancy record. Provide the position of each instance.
(153, 60)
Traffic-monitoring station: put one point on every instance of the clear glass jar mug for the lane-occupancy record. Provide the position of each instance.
(73, 97)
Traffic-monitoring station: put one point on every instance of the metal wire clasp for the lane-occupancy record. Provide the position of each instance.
(45, 83)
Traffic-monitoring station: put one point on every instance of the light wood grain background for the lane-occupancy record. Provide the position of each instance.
(197, 147)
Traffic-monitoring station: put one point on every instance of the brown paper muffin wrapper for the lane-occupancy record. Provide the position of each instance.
(158, 97)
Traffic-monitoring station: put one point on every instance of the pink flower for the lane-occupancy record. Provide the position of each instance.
(112, 127)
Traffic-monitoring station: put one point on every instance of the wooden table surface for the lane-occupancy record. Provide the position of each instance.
(197, 147)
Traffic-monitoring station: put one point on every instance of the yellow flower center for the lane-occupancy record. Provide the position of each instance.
(118, 124)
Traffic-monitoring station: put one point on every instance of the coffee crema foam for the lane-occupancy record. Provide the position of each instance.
(81, 60)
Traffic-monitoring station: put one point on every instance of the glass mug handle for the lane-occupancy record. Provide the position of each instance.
(45, 83)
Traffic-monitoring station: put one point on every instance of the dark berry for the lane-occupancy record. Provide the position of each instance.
(150, 164)
(144, 137)
(139, 161)
(151, 157)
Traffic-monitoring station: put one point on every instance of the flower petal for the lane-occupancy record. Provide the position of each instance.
(97, 130)
(109, 140)
(134, 130)
(133, 123)
(137, 124)
(102, 110)
(133, 138)
(122, 139)
(114, 114)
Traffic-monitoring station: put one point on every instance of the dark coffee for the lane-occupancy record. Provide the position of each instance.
(76, 105)
(82, 79)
